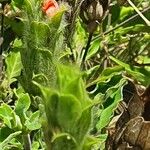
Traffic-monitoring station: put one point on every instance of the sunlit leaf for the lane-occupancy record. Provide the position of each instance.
(6, 114)
(14, 66)
(33, 123)
(22, 105)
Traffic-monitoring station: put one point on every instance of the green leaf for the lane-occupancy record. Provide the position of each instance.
(51, 100)
(61, 110)
(17, 125)
(114, 95)
(132, 29)
(5, 143)
(68, 111)
(79, 39)
(77, 88)
(95, 45)
(82, 126)
(6, 114)
(24, 4)
(66, 74)
(67, 107)
(125, 11)
(22, 105)
(14, 66)
(41, 32)
(137, 72)
(111, 71)
(5, 131)
(107, 74)
(33, 123)
(9, 117)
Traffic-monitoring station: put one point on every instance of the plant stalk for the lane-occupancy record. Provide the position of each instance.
(87, 48)
(27, 142)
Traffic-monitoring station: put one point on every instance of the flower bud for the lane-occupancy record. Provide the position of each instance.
(92, 12)
(50, 7)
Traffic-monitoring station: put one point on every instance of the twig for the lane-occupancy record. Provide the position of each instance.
(139, 13)
(121, 24)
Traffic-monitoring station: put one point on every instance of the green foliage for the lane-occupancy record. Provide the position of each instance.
(33, 123)
(18, 121)
(6, 113)
(107, 94)
(68, 112)
(22, 105)
(14, 66)
(49, 98)
(5, 143)
(42, 43)
(138, 73)
(114, 94)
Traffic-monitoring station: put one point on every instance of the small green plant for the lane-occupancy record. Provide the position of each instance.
(63, 68)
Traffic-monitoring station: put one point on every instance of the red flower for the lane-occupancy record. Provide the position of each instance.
(50, 7)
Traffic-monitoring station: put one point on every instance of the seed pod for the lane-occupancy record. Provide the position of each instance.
(92, 12)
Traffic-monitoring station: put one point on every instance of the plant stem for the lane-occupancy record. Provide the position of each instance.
(27, 142)
(87, 48)
(139, 13)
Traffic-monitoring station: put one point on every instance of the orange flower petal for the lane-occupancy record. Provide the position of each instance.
(49, 4)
